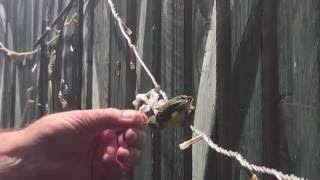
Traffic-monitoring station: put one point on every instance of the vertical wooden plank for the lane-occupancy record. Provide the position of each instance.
(88, 40)
(204, 159)
(43, 76)
(69, 58)
(3, 23)
(36, 24)
(131, 60)
(224, 104)
(188, 80)
(299, 102)
(25, 78)
(172, 81)
(239, 96)
(77, 69)
(143, 83)
(188, 48)
(11, 42)
(101, 55)
(39, 17)
(13, 70)
(7, 73)
(157, 69)
(246, 84)
(118, 54)
(30, 109)
(204, 83)
(201, 24)
(270, 89)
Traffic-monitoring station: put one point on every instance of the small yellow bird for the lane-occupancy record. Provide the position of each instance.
(176, 112)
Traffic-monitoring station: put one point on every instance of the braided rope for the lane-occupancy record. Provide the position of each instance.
(243, 162)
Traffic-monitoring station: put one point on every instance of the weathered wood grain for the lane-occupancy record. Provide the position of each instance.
(77, 71)
(298, 56)
(188, 80)
(8, 76)
(172, 81)
(101, 55)
(201, 24)
(43, 76)
(3, 23)
(88, 35)
(204, 159)
(224, 89)
(157, 70)
(118, 60)
(246, 84)
(144, 38)
(270, 87)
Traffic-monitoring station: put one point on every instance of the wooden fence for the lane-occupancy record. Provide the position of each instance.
(252, 65)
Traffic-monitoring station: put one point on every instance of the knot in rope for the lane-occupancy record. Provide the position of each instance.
(150, 101)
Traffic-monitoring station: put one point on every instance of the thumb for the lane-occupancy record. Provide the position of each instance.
(101, 119)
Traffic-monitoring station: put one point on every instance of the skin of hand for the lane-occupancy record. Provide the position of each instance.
(78, 145)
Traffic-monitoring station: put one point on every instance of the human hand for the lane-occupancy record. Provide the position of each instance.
(80, 145)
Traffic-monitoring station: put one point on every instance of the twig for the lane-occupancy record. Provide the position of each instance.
(49, 29)
(188, 143)
(73, 19)
(13, 54)
(64, 11)
(251, 175)
(53, 39)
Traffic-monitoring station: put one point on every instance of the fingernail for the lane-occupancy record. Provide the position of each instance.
(129, 114)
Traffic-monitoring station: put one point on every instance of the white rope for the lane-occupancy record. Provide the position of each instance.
(243, 162)
(123, 29)
(150, 101)
(14, 54)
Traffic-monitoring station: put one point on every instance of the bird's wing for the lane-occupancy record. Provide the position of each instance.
(169, 107)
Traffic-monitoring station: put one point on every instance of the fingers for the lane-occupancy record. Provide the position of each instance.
(106, 165)
(133, 138)
(131, 143)
(124, 148)
(127, 157)
(110, 150)
(115, 119)
(101, 119)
